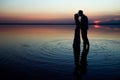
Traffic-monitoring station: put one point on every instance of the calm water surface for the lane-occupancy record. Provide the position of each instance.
(45, 53)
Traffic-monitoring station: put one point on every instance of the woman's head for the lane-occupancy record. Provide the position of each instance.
(76, 16)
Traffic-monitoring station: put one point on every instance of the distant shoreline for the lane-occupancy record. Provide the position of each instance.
(56, 24)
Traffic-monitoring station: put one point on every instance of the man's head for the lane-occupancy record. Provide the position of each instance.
(80, 12)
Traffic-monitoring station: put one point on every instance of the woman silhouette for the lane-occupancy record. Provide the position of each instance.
(76, 41)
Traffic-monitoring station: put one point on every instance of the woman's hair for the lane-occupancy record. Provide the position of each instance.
(76, 16)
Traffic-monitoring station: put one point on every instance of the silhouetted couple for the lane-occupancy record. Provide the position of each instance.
(81, 26)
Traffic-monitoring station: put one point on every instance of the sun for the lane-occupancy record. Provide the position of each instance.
(97, 22)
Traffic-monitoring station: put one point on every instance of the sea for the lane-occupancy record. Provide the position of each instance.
(45, 52)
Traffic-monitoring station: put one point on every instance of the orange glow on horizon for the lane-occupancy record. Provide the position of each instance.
(97, 22)
(34, 16)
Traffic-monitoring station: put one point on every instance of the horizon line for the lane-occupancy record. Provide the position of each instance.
(21, 23)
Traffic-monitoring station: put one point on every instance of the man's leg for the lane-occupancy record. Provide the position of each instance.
(85, 40)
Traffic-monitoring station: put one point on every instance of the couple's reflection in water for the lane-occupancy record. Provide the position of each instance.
(80, 55)
(80, 61)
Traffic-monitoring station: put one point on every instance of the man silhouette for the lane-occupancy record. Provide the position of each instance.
(84, 28)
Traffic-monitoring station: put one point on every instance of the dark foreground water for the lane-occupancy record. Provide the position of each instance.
(46, 53)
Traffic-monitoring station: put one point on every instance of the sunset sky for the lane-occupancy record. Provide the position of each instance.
(58, 10)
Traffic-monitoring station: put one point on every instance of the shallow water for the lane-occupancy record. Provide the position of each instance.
(45, 52)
